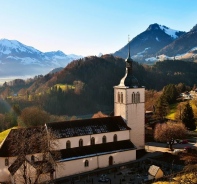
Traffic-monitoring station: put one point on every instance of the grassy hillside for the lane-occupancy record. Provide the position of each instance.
(174, 109)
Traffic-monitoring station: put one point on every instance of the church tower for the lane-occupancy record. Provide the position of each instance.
(129, 101)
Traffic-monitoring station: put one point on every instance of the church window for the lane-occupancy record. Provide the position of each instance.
(138, 97)
(6, 162)
(80, 142)
(115, 138)
(133, 97)
(104, 139)
(92, 141)
(86, 164)
(121, 97)
(68, 144)
(32, 158)
(118, 97)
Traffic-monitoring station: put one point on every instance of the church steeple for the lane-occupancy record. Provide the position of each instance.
(129, 56)
(129, 80)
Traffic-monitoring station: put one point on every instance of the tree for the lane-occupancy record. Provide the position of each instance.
(168, 132)
(193, 103)
(10, 120)
(179, 111)
(181, 87)
(33, 116)
(2, 119)
(170, 93)
(162, 107)
(16, 109)
(32, 148)
(151, 97)
(188, 117)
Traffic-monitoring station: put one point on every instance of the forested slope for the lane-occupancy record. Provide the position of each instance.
(88, 84)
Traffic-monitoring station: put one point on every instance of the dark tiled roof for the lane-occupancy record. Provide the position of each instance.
(18, 142)
(88, 126)
(97, 149)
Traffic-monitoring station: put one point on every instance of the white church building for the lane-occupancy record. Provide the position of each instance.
(88, 144)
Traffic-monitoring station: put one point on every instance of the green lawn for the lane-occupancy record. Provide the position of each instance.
(4, 134)
(65, 87)
(171, 114)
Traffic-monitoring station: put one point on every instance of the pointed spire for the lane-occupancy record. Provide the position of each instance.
(129, 80)
(129, 55)
(129, 47)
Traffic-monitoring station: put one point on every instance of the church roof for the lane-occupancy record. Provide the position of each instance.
(88, 126)
(17, 141)
(95, 150)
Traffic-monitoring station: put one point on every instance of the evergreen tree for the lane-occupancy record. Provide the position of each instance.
(162, 107)
(170, 93)
(188, 117)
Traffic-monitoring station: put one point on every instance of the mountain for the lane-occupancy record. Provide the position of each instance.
(187, 43)
(149, 42)
(17, 59)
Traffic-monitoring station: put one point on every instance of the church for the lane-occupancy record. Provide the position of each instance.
(87, 144)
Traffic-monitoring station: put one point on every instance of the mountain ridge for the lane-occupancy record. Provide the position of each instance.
(149, 42)
(16, 54)
(182, 45)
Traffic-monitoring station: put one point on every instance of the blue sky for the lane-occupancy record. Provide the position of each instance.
(88, 27)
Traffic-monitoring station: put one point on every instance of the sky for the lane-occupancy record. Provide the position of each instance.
(89, 27)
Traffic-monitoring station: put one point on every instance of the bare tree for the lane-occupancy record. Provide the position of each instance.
(168, 132)
(33, 149)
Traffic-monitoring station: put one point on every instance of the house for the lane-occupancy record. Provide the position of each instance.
(84, 145)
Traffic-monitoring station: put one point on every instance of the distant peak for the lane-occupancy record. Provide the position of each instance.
(194, 28)
(6, 41)
(171, 32)
(154, 26)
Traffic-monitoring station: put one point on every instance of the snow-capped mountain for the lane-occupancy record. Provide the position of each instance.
(181, 45)
(183, 48)
(19, 59)
(149, 42)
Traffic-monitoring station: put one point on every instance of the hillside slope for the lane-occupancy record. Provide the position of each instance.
(90, 83)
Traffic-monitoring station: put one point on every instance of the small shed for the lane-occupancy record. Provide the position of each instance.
(155, 171)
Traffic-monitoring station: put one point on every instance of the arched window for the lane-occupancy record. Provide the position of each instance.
(86, 163)
(110, 160)
(118, 97)
(121, 97)
(6, 162)
(138, 97)
(133, 98)
(68, 144)
(115, 138)
(92, 141)
(32, 158)
(80, 142)
(104, 139)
